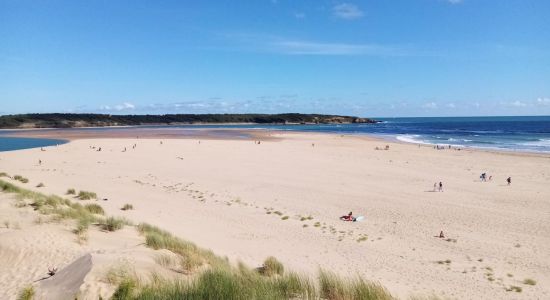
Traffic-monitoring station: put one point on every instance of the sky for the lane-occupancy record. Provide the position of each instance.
(371, 58)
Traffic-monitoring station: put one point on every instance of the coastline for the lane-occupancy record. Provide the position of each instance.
(164, 132)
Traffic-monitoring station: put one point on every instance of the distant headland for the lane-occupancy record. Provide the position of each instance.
(66, 120)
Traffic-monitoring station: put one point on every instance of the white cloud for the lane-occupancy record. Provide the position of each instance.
(451, 105)
(430, 105)
(543, 101)
(347, 11)
(119, 107)
(518, 103)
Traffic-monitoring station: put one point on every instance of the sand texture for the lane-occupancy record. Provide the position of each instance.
(284, 197)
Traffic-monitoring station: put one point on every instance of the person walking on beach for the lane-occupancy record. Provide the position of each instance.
(509, 180)
(441, 186)
(435, 186)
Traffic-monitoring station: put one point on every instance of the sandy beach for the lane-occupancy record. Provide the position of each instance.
(284, 196)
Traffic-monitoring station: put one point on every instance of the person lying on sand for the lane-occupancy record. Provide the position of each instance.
(349, 217)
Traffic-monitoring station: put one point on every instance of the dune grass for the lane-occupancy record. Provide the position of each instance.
(4, 174)
(94, 209)
(71, 192)
(40, 185)
(218, 279)
(271, 267)
(221, 283)
(85, 195)
(529, 281)
(127, 207)
(333, 287)
(59, 208)
(27, 293)
(113, 223)
(20, 178)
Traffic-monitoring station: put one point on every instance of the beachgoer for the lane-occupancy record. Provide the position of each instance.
(490, 177)
(348, 217)
(441, 235)
(435, 186)
(509, 180)
(40, 162)
(441, 186)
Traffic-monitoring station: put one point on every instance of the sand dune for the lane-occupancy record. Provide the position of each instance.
(284, 196)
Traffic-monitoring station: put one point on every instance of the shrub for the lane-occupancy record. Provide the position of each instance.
(127, 207)
(271, 267)
(284, 218)
(4, 174)
(40, 185)
(84, 195)
(71, 192)
(94, 209)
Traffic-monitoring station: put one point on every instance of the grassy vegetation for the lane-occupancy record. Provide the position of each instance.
(285, 218)
(26, 293)
(333, 287)
(20, 178)
(218, 279)
(40, 185)
(529, 281)
(94, 209)
(127, 207)
(71, 192)
(58, 208)
(4, 174)
(514, 288)
(113, 224)
(272, 267)
(84, 195)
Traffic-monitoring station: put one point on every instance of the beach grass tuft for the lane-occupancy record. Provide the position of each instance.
(71, 192)
(20, 178)
(113, 224)
(127, 207)
(529, 281)
(27, 293)
(85, 195)
(40, 185)
(333, 287)
(94, 209)
(272, 267)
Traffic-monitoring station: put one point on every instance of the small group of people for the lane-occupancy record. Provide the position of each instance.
(438, 186)
(483, 177)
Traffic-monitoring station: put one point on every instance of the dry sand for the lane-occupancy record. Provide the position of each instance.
(231, 196)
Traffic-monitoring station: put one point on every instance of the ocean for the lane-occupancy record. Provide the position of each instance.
(526, 134)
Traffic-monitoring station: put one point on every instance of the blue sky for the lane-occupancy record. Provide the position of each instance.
(380, 58)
